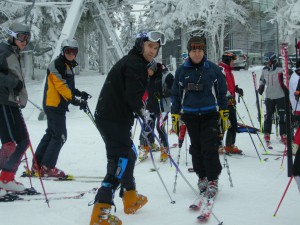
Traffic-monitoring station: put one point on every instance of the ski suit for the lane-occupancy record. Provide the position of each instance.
(198, 92)
(120, 98)
(12, 124)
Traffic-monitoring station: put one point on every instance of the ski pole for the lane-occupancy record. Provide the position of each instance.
(249, 135)
(283, 155)
(285, 191)
(90, 115)
(181, 135)
(253, 124)
(226, 164)
(180, 172)
(34, 158)
(152, 159)
(42, 114)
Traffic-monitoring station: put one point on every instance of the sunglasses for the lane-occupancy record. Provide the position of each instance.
(195, 46)
(154, 36)
(22, 37)
(70, 51)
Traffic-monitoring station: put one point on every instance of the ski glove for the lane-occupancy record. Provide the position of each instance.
(79, 102)
(176, 123)
(84, 95)
(261, 89)
(297, 95)
(239, 90)
(19, 86)
(225, 123)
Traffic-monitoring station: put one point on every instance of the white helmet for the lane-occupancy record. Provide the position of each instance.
(68, 43)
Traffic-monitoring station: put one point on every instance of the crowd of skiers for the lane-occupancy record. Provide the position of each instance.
(201, 95)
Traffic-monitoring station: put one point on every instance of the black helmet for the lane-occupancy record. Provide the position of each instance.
(19, 31)
(227, 57)
(154, 36)
(270, 57)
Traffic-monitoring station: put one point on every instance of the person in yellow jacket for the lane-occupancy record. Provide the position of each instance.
(59, 92)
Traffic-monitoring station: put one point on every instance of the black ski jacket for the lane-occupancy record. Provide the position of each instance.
(122, 92)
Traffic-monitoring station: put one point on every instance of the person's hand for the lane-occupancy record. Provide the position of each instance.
(225, 123)
(79, 102)
(175, 123)
(19, 86)
(85, 96)
(238, 90)
(261, 89)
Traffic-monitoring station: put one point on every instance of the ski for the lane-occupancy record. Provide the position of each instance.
(257, 98)
(85, 179)
(206, 210)
(76, 196)
(197, 206)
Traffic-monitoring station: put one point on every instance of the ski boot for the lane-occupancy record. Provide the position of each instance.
(164, 154)
(133, 201)
(202, 185)
(143, 153)
(49, 172)
(101, 215)
(154, 147)
(267, 139)
(212, 189)
(7, 182)
(232, 149)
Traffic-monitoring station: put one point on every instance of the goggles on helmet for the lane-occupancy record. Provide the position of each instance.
(72, 51)
(22, 36)
(154, 36)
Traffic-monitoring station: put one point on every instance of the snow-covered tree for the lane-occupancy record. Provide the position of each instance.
(204, 17)
(286, 14)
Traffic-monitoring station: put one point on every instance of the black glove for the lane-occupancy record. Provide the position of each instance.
(261, 89)
(19, 86)
(239, 90)
(84, 95)
(79, 102)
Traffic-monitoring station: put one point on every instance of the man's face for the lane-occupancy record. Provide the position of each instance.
(150, 50)
(196, 55)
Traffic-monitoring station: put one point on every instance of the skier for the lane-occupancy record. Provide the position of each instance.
(158, 104)
(294, 85)
(121, 98)
(274, 97)
(59, 92)
(199, 99)
(227, 64)
(13, 97)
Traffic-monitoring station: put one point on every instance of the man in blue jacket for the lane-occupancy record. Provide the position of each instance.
(199, 100)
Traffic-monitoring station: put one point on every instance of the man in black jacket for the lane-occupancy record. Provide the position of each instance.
(121, 98)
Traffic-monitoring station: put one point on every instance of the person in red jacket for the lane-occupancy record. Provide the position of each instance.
(227, 65)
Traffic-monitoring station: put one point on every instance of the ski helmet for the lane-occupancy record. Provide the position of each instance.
(196, 42)
(154, 36)
(270, 57)
(227, 57)
(19, 31)
(68, 43)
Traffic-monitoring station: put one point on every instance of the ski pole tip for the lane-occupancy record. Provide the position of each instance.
(173, 202)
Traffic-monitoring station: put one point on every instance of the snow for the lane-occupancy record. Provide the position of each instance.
(258, 185)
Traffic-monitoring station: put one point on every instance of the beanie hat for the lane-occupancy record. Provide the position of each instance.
(196, 42)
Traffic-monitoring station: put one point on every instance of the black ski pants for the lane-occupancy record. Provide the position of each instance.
(13, 128)
(50, 145)
(118, 144)
(271, 106)
(231, 133)
(203, 132)
(154, 119)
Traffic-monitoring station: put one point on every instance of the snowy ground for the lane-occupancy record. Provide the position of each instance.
(258, 186)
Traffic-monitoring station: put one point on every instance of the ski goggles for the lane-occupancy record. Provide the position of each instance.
(22, 36)
(70, 51)
(153, 36)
